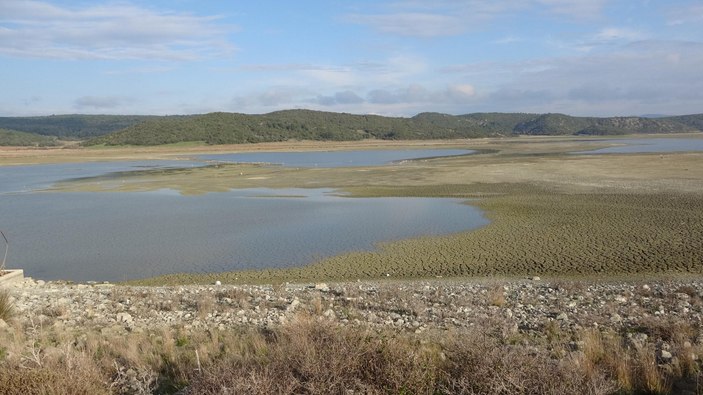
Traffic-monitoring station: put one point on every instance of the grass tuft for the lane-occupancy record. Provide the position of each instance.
(7, 310)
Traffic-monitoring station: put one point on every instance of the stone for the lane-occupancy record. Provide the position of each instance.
(563, 317)
(125, 318)
(322, 287)
(508, 313)
(293, 305)
(665, 356)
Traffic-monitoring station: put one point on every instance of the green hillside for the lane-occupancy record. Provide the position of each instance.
(232, 128)
(72, 126)
(15, 138)
(560, 124)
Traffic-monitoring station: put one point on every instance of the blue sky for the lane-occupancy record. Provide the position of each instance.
(579, 57)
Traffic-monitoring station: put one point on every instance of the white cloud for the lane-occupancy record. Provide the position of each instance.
(637, 78)
(413, 24)
(416, 94)
(690, 13)
(114, 31)
(578, 9)
(508, 40)
(452, 17)
(462, 90)
(101, 102)
(611, 34)
(344, 98)
(435, 19)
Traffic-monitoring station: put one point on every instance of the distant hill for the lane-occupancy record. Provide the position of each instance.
(231, 128)
(15, 138)
(72, 127)
(560, 124)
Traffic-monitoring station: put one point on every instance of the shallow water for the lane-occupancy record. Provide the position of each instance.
(644, 145)
(23, 179)
(121, 236)
(333, 158)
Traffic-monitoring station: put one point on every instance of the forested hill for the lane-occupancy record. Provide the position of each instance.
(72, 127)
(229, 128)
(19, 139)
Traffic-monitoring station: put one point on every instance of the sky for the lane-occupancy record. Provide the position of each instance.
(396, 58)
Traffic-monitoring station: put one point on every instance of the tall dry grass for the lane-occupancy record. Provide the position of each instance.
(6, 306)
(312, 355)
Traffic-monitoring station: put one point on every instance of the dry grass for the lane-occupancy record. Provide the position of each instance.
(312, 355)
(6, 305)
(496, 296)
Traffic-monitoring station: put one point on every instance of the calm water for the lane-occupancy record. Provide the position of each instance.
(22, 179)
(333, 158)
(120, 236)
(632, 146)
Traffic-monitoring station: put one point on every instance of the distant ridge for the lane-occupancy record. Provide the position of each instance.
(231, 128)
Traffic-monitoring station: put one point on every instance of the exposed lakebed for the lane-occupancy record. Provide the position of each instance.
(333, 158)
(122, 235)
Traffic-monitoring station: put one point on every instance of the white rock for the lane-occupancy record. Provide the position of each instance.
(124, 317)
(293, 305)
(665, 355)
(218, 282)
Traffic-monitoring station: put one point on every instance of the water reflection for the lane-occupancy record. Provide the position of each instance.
(120, 236)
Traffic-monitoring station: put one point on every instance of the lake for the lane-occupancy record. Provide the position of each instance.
(121, 236)
(645, 145)
(113, 236)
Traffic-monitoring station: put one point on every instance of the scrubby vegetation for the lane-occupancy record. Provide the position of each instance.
(311, 355)
(72, 126)
(15, 138)
(232, 128)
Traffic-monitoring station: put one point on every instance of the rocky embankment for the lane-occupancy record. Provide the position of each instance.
(527, 306)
